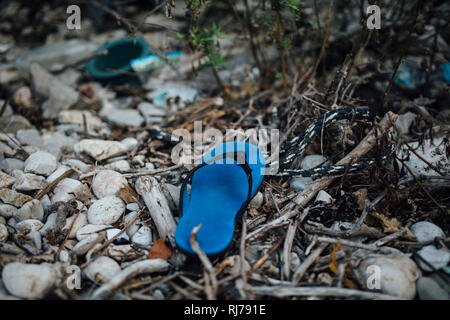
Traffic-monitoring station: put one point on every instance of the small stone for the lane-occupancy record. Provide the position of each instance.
(312, 161)
(110, 233)
(108, 183)
(135, 226)
(14, 123)
(433, 151)
(257, 200)
(151, 113)
(23, 98)
(30, 210)
(40, 162)
(438, 258)
(129, 143)
(2, 220)
(143, 237)
(57, 142)
(62, 196)
(77, 165)
(46, 203)
(426, 231)
(300, 183)
(50, 223)
(7, 210)
(10, 164)
(13, 197)
(29, 281)
(101, 269)
(126, 117)
(60, 96)
(67, 185)
(133, 206)
(107, 210)
(324, 197)
(29, 225)
(29, 137)
(28, 181)
(100, 149)
(428, 289)
(89, 229)
(87, 243)
(35, 236)
(120, 165)
(3, 233)
(80, 222)
(57, 173)
(76, 117)
(6, 180)
(397, 274)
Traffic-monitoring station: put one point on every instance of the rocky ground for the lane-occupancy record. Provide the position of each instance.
(88, 186)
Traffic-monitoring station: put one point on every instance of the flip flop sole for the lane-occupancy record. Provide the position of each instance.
(218, 193)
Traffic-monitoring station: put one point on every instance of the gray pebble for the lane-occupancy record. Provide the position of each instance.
(428, 289)
(426, 231)
(40, 162)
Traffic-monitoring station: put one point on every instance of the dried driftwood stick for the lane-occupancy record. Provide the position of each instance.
(150, 190)
(281, 292)
(141, 267)
(307, 195)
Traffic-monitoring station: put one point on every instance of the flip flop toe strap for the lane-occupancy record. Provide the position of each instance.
(241, 161)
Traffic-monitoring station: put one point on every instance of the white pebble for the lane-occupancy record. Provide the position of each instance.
(40, 162)
(35, 236)
(426, 231)
(108, 183)
(143, 237)
(67, 185)
(7, 210)
(438, 258)
(397, 274)
(300, 183)
(133, 206)
(28, 181)
(129, 143)
(135, 226)
(100, 149)
(312, 161)
(89, 229)
(50, 223)
(101, 269)
(323, 196)
(120, 165)
(57, 173)
(257, 200)
(29, 281)
(3, 233)
(6, 180)
(29, 225)
(111, 233)
(107, 210)
(62, 197)
(87, 243)
(30, 210)
(80, 222)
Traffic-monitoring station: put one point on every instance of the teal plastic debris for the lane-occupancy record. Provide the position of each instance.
(150, 62)
(114, 67)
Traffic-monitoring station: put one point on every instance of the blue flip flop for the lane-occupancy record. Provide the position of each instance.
(222, 186)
